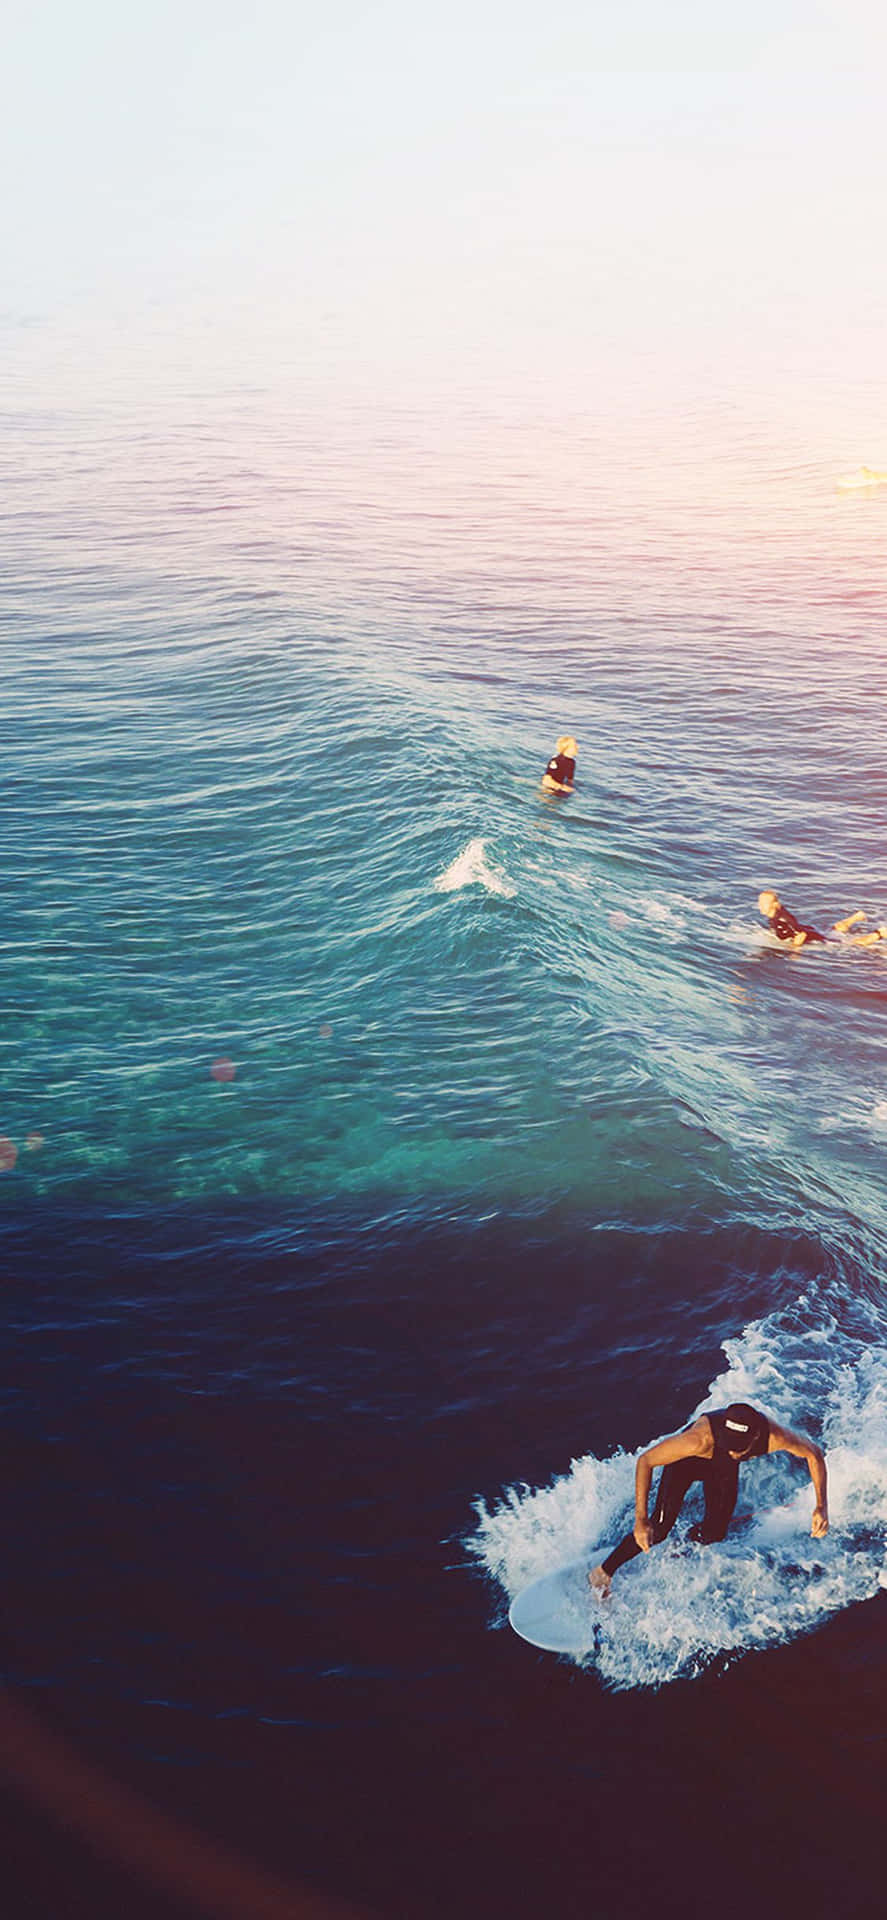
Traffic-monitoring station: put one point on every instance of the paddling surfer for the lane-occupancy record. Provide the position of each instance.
(793, 933)
(710, 1450)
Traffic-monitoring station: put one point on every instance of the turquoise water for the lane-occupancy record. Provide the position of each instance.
(265, 693)
(345, 1073)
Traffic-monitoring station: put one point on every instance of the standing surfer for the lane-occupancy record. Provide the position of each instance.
(711, 1451)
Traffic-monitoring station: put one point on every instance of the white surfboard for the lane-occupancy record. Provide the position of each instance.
(559, 1612)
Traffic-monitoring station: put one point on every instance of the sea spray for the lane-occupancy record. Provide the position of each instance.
(676, 1610)
(472, 868)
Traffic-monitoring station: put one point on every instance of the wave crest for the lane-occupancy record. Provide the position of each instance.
(471, 868)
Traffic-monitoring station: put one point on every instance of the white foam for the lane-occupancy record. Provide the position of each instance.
(855, 1116)
(674, 1610)
(471, 868)
(760, 939)
(664, 916)
(672, 916)
(755, 938)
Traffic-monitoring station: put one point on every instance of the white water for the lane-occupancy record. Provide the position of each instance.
(673, 1611)
(473, 868)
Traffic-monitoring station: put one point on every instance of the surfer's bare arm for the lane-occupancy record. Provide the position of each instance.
(783, 1440)
(695, 1440)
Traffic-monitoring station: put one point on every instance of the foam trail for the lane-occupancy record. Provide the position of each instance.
(471, 868)
(678, 1608)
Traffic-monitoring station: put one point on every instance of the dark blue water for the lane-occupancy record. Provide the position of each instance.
(391, 1152)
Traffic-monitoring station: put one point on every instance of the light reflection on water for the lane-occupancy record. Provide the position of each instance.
(275, 669)
(301, 967)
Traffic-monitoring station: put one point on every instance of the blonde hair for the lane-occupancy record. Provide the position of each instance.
(768, 902)
(566, 744)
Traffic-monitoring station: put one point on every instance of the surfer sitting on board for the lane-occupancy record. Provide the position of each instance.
(711, 1451)
(560, 771)
(793, 934)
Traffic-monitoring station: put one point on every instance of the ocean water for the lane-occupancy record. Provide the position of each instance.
(390, 1151)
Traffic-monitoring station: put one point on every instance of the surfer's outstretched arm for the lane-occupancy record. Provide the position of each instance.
(783, 1440)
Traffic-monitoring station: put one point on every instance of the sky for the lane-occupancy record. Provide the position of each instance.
(495, 185)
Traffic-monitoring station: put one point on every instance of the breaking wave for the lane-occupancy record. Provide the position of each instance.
(677, 1609)
(472, 868)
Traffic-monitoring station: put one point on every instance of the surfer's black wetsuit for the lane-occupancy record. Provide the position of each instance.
(785, 926)
(562, 768)
(720, 1482)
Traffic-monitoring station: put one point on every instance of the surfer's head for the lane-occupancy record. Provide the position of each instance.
(567, 745)
(768, 904)
(745, 1428)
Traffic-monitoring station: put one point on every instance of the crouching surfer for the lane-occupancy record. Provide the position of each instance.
(712, 1451)
(793, 933)
(561, 769)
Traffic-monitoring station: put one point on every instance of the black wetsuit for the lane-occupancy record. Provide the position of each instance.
(720, 1482)
(785, 926)
(562, 768)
